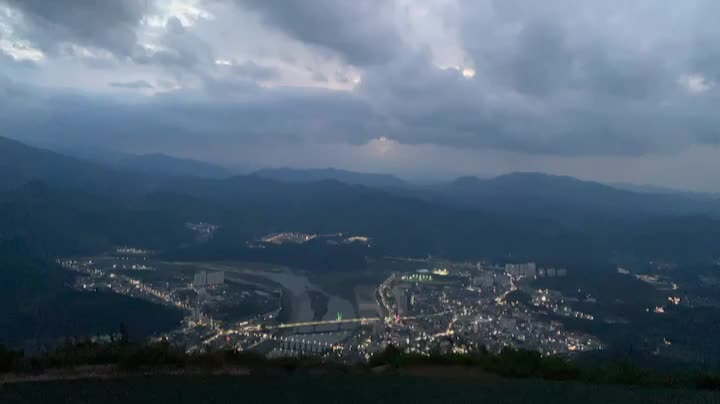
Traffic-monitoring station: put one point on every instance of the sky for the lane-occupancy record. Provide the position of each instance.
(614, 90)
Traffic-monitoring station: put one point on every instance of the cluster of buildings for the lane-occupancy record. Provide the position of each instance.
(558, 304)
(131, 251)
(464, 309)
(490, 279)
(357, 239)
(105, 275)
(531, 269)
(205, 231)
(404, 299)
(288, 238)
(205, 279)
(300, 238)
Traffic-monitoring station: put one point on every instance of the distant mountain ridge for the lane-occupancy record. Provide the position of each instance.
(659, 190)
(21, 164)
(545, 193)
(286, 174)
(163, 164)
(523, 192)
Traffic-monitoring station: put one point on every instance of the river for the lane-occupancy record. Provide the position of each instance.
(298, 285)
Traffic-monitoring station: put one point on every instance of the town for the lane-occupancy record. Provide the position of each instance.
(438, 307)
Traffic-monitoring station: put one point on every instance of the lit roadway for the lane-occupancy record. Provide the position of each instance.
(323, 322)
(260, 327)
(327, 322)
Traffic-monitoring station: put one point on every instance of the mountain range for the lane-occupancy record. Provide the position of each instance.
(162, 164)
(286, 174)
(75, 205)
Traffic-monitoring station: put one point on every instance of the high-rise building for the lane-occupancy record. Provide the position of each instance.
(203, 279)
(502, 280)
(215, 278)
(484, 280)
(401, 301)
(196, 314)
(200, 279)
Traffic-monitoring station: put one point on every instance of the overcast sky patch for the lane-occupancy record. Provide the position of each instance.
(555, 81)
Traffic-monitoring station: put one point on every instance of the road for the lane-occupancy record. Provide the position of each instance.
(343, 321)
(324, 322)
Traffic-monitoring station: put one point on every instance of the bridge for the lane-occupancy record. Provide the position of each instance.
(326, 322)
(293, 346)
(339, 321)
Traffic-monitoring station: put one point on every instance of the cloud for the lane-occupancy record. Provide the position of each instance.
(564, 46)
(20, 52)
(254, 71)
(103, 24)
(319, 76)
(176, 47)
(132, 85)
(362, 31)
(178, 119)
(557, 79)
(695, 83)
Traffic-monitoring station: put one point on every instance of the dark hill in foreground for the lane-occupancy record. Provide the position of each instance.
(342, 388)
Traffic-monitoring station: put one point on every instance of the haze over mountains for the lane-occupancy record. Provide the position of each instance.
(163, 164)
(286, 174)
(22, 164)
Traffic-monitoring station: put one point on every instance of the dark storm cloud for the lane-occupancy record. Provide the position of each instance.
(182, 121)
(552, 77)
(573, 77)
(537, 64)
(106, 24)
(557, 77)
(181, 48)
(359, 30)
(540, 50)
(132, 85)
(600, 109)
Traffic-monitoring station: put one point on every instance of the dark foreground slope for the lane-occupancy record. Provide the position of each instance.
(36, 308)
(142, 373)
(339, 388)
